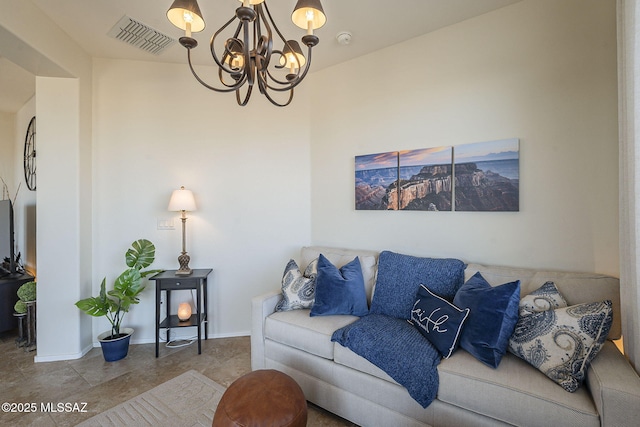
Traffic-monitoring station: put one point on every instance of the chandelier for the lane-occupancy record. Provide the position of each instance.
(246, 56)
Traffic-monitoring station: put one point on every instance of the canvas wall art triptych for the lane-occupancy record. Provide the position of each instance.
(483, 176)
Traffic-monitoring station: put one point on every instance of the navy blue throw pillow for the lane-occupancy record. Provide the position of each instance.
(438, 320)
(339, 291)
(492, 318)
(400, 276)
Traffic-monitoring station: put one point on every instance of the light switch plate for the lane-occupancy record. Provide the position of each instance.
(165, 224)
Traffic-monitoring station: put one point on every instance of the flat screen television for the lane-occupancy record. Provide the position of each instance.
(7, 245)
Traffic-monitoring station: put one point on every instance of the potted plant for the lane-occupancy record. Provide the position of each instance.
(25, 311)
(115, 303)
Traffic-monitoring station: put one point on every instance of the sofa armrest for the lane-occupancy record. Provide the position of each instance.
(261, 307)
(615, 387)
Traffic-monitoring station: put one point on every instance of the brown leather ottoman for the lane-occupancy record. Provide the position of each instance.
(262, 398)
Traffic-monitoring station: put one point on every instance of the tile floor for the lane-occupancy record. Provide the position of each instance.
(103, 385)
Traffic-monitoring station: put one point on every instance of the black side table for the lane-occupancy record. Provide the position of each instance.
(168, 281)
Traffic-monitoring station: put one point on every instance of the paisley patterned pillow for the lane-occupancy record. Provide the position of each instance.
(546, 297)
(562, 342)
(298, 291)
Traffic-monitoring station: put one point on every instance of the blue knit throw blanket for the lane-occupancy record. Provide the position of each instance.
(398, 348)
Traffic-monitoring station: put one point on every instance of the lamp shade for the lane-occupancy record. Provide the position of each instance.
(182, 200)
(292, 56)
(308, 12)
(182, 12)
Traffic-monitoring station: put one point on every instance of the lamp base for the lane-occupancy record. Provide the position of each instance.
(184, 269)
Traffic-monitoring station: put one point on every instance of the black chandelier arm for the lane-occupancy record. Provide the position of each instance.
(242, 103)
(248, 67)
(202, 82)
(275, 27)
(265, 50)
(240, 79)
(220, 63)
(293, 83)
(262, 84)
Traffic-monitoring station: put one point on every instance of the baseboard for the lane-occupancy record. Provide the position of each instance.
(74, 356)
(185, 336)
(61, 357)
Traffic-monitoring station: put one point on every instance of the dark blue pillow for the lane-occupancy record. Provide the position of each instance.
(438, 320)
(339, 291)
(400, 276)
(492, 318)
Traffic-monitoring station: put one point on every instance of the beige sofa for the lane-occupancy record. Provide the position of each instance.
(470, 393)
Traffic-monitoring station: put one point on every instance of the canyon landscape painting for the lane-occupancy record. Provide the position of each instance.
(478, 177)
(425, 180)
(487, 176)
(376, 177)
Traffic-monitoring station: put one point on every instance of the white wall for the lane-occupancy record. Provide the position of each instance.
(541, 71)
(7, 150)
(155, 129)
(63, 72)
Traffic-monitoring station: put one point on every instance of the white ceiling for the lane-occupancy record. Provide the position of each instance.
(373, 24)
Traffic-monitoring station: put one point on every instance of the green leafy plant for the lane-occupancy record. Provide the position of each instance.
(26, 293)
(115, 303)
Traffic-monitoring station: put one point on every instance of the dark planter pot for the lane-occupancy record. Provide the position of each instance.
(115, 349)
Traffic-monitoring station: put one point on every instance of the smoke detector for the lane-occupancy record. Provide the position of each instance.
(344, 38)
(140, 35)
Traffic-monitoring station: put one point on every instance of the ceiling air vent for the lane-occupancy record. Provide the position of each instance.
(141, 36)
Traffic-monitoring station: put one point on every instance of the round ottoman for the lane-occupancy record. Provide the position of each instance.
(262, 398)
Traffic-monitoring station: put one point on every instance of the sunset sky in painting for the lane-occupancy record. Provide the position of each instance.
(377, 161)
(426, 156)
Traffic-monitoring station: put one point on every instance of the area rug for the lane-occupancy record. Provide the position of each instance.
(187, 400)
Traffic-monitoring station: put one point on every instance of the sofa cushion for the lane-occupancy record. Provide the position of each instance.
(399, 277)
(576, 288)
(438, 320)
(311, 334)
(492, 318)
(344, 356)
(501, 393)
(562, 342)
(339, 291)
(546, 297)
(339, 257)
(298, 291)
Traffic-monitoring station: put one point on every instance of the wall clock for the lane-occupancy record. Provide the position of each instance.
(30, 155)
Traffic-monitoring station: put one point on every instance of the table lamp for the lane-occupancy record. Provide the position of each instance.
(184, 311)
(182, 201)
